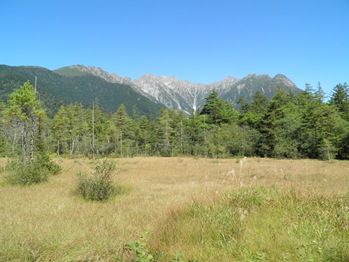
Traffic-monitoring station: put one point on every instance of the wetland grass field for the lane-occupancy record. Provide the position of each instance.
(183, 209)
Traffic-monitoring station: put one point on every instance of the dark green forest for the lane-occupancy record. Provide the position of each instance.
(289, 125)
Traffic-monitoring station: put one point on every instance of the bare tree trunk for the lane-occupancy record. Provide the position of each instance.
(31, 149)
(32, 139)
(93, 129)
(14, 141)
(31, 152)
(121, 146)
(115, 143)
(58, 146)
(24, 143)
(181, 137)
(71, 149)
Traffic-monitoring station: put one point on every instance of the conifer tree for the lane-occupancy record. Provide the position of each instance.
(218, 110)
(24, 111)
(340, 99)
(124, 130)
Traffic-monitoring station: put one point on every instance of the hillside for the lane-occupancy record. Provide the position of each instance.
(69, 86)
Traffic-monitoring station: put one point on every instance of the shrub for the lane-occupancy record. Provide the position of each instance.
(26, 174)
(45, 162)
(30, 173)
(98, 186)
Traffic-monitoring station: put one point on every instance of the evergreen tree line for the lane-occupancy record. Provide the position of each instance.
(289, 125)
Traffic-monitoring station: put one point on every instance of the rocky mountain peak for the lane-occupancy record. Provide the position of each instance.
(226, 82)
(283, 79)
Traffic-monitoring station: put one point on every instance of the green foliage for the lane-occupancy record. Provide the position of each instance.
(32, 172)
(139, 251)
(301, 126)
(44, 161)
(320, 123)
(69, 125)
(23, 102)
(287, 126)
(25, 174)
(23, 114)
(122, 130)
(218, 110)
(340, 99)
(252, 114)
(99, 186)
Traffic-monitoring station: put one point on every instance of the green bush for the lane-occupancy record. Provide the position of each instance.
(45, 162)
(30, 173)
(99, 186)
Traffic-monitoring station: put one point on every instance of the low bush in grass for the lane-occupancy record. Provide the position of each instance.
(30, 173)
(99, 186)
(46, 163)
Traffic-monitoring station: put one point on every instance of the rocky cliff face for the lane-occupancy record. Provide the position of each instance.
(176, 93)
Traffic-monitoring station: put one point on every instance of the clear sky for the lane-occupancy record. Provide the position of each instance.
(201, 41)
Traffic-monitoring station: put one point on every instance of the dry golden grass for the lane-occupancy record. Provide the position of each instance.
(50, 222)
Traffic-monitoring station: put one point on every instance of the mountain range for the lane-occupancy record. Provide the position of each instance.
(149, 93)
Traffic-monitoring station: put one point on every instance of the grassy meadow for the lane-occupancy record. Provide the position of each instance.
(183, 209)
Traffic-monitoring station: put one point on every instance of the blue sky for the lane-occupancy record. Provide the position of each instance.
(196, 40)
